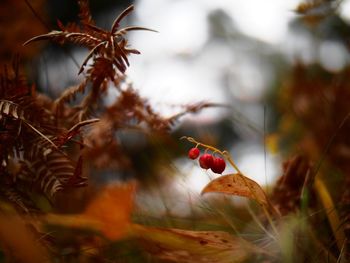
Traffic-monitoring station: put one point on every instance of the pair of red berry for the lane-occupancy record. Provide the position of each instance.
(206, 161)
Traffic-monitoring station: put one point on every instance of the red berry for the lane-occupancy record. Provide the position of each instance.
(206, 161)
(218, 166)
(193, 153)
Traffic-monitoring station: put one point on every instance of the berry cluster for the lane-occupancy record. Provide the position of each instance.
(208, 161)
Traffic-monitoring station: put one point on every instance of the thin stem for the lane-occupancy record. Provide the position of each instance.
(230, 160)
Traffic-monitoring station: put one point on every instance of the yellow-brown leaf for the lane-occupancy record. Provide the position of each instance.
(113, 208)
(179, 245)
(109, 213)
(237, 184)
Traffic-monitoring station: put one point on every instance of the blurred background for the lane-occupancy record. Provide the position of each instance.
(234, 53)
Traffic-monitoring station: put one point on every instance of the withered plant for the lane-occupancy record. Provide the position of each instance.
(32, 156)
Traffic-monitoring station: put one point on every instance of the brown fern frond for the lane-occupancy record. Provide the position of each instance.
(120, 17)
(68, 172)
(62, 37)
(91, 53)
(130, 110)
(18, 101)
(70, 94)
(77, 180)
(9, 108)
(75, 130)
(102, 44)
(29, 136)
(47, 174)
(43, 147)
(45, 137)
(38, 147)
(125, 30)
(22, 118)
(76, 127)
(60, 165)
(40, 178)
(100, 72)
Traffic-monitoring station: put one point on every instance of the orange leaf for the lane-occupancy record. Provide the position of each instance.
(237, 184)
(112, 207)
(109, 213)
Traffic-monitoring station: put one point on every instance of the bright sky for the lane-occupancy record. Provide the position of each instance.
(266, 20)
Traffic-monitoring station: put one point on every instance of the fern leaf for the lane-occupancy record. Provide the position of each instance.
(41, 134)
(70, 94)
(125, 30)
(77, 179)
(51, 35)
(9, 108)
(49, 174)
(109, 45)
(91, 53)
(81, 124)
(60, 165)
(81, 39)
(47, 182)
(37, 148)
(120, 17)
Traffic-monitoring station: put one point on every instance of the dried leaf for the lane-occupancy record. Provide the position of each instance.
(237, 184)
(109, 213)
(11, 109)
(113, 208)
(110, 45)
(50, 173)
(178, 245)
(70, 93)
(77, 179)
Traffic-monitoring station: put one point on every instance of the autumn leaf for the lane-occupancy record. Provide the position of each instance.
(109, 213)
(237, 184)
(177, 245)
(113, 208)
